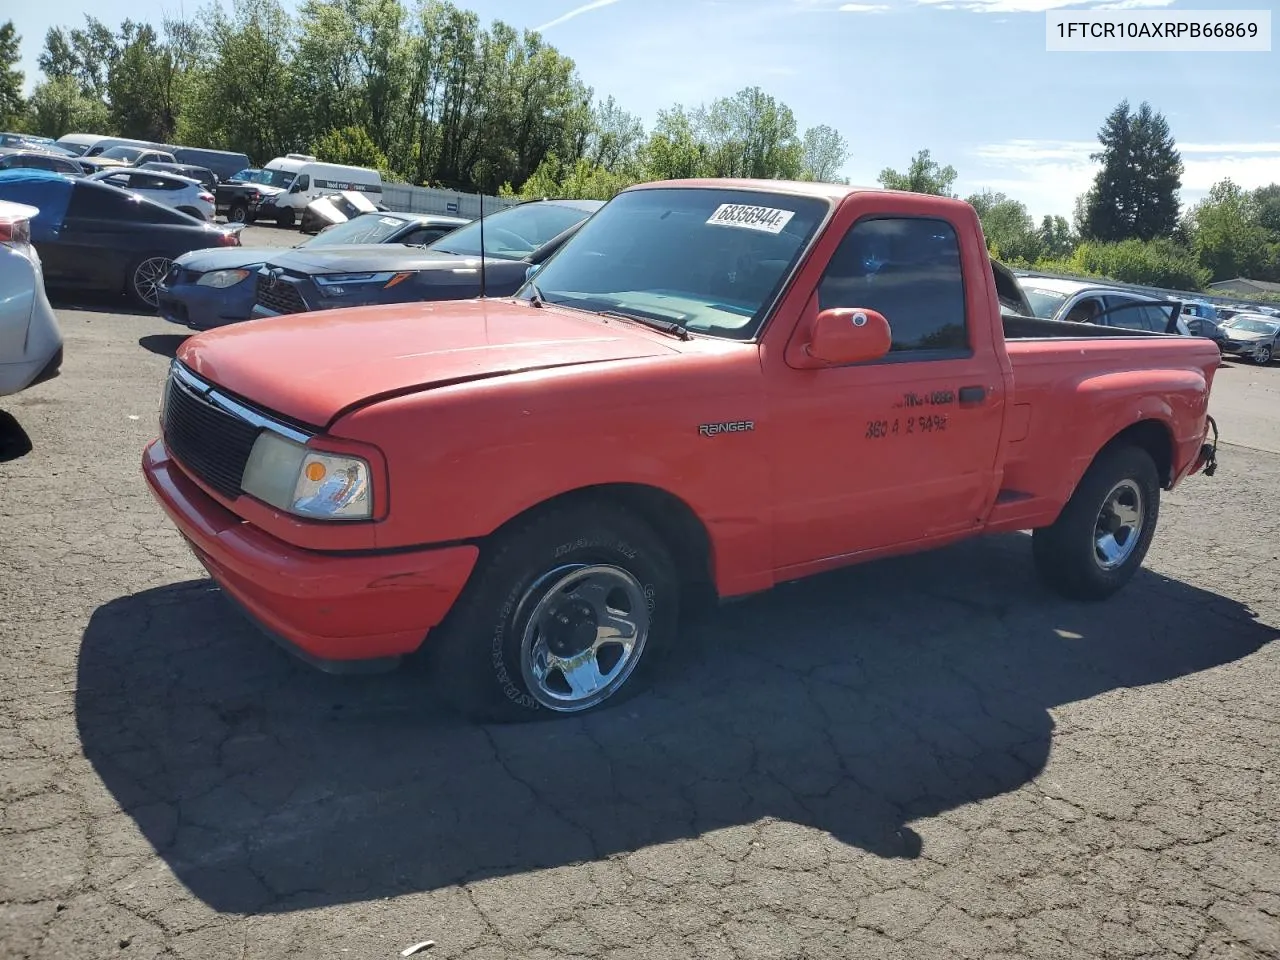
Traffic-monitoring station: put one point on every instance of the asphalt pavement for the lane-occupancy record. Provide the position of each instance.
(918, 758)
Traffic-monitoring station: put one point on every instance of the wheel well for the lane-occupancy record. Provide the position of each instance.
(1153, 437)
(670, 517)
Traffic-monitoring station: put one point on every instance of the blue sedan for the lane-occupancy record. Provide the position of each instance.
(211, 288)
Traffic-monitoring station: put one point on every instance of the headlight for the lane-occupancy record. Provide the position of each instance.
(336, 284)
(222, 278)
(306, 482)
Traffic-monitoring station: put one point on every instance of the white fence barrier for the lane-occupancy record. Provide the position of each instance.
(404, 198)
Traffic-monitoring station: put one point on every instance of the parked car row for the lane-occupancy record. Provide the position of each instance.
(93, 235)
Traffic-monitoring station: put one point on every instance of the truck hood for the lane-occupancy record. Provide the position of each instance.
(225, 258)
(366, 257)
(1244, 336)
(314, 367)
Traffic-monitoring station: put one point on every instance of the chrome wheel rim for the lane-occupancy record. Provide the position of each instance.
(238, 215)
(584, 636)
(147, 277)
(1119, 525)
(1264, 355)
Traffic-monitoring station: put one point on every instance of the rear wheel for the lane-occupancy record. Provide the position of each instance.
(239, 212)
(1103, 533)
(144, 279)
(1263, 356)
(566, 614)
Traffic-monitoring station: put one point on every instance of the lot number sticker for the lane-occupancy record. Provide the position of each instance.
(767, 219)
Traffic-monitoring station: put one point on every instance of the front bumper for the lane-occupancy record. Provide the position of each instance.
(1247, 350)
(203, 308)
(338, 612)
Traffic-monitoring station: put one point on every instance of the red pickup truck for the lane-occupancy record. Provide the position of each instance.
(715, 385)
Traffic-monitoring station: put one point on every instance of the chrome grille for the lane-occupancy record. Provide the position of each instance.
(212, 443)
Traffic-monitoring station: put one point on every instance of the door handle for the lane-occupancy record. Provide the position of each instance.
(969, 396)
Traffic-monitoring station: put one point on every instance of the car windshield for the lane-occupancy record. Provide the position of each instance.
(1044, 303)
(366, 228)
(1253, 325)
(710, 260)
(270, 178)
(122, 153)
(514, 233)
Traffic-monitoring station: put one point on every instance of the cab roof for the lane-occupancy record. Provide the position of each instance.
(804, 188)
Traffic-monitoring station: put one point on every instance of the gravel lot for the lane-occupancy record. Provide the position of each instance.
(926, 757)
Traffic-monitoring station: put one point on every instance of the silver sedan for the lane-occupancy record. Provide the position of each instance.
(1252, 336)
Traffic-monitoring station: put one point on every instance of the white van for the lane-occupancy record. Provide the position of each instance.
(79, 142)
(312, 179)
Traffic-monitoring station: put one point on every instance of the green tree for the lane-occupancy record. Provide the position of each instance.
(582, 180)
(351, 146)
(12, 104)
(1159, 263)
(1135, 194)
(1010, 231)
(823, 151)
(674, 150)
(148, 81)
(1056, 236)
(241, 95)
(58, 106)
(1227, 233)
(750, 134)
(615, 137)
(923, 175)
(84, 54)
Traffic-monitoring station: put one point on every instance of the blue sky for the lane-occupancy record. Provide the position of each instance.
(968, 79)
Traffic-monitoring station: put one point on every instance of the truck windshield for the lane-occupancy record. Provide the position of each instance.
(710, 260)
(270, 178)
(1045, 303)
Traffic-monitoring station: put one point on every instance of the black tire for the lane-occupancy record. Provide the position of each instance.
(143, 273)
(239, 213)
(1067, 554)
(476, 656)
(285, 219)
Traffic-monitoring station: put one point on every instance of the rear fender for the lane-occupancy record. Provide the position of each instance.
(1114, 403)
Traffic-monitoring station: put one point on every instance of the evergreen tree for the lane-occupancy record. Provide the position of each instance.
(1135, 194)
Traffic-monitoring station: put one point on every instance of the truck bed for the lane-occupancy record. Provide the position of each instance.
(1060, 368)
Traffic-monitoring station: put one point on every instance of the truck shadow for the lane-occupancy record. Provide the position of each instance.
(854, 703)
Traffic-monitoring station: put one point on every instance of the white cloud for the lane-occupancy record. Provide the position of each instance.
(575, 12)
(863, 7)
(1048, 175)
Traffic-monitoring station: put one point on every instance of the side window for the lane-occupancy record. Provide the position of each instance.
(1086, 311)
(90, 202)
(424, 235)
(303, 183)
(907, 269)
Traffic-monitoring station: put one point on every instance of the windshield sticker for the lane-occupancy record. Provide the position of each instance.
(767, 219)
(390, 221)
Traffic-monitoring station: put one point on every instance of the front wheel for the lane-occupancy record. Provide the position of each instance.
(1263, 356)
(565, 615)
(285, 219)
(1103, 533)
(144, 279)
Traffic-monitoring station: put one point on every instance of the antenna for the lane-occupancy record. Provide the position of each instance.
(482, 252)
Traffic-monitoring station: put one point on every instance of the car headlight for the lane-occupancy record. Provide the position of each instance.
(337, 284)
(306, 482)
(222, 279)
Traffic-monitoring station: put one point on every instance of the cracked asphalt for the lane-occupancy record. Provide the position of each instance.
(925, 757)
